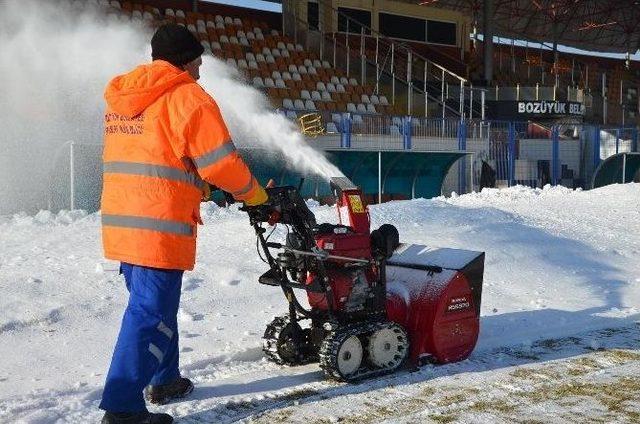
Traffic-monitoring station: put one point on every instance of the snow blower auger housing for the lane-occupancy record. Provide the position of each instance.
(374, 302)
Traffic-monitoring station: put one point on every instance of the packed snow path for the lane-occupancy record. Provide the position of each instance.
(560, 303)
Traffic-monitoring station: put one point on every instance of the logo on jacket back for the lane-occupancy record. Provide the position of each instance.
(118, 124)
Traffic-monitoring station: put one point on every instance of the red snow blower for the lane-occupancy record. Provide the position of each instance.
(374, 302)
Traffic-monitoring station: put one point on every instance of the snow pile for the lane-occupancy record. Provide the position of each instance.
(558, 263)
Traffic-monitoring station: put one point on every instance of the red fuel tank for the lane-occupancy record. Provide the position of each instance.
(435, 294)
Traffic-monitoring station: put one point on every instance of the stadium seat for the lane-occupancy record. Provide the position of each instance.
(397, 121)
(250, 56)
(344, 81)
(340, 88)
(290, 47)
(317, 64)
(312, 71)
(287, 103)
(309, 105)
(394, 130)
(220, 25)
(371, 108)
(180, 13)
(316, 96)
(242, 64)
(326, 96)
(384, 101)
(357, 119)
(206, 44)
(280, 83)
(361, 108)
(232, 62)
(244, 41)
(302, 70)
(274, 32)
(351, 108)
(259, 36)
(284, 53)
(296, 76)
(270, 59)
(211, 24)
(233, 40)
(326, 64)
(215, 46)
(374, 99)
(218, 18)
(298, 104)
(292, 115)
(320, 86)
(192, 28)
(253, 64)
(331, 127)
(304, 94)
(268, 82)
(335, 80)
(115, 4)
(275, 52)
(365, 99)
(293, 68)
(276, 75)
(307, 63)
(353, 81)
(224, 39)
(169, 12)
(237, 21)
(331, 88)
(299, 48)
(228, 20)
(251, 36)
(286, 76)
(336, 117)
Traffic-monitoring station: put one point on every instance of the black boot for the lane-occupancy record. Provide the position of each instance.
(164, 393)
(136, 418)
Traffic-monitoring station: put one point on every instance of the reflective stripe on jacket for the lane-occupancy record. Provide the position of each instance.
(163, 135)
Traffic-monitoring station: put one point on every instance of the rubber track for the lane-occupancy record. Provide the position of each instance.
(332, 342)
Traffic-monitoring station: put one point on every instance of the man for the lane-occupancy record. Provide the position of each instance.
(163, 136)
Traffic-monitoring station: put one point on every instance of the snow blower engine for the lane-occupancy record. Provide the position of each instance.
(373, 302)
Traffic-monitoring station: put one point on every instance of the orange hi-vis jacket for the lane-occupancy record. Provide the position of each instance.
(163, 135)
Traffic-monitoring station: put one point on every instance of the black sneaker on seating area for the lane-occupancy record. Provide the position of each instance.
(136, 418)
(164, 393)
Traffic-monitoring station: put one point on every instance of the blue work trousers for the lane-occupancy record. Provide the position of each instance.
(147, 348)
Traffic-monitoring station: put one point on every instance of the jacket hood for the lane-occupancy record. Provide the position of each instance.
(132, 93)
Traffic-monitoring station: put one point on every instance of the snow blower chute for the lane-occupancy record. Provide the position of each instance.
(374, 302)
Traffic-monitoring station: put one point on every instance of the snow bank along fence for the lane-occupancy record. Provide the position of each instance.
(497, 153)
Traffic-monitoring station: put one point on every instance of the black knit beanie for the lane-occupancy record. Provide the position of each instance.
(175, 44)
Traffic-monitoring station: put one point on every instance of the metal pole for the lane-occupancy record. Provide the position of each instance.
(471, 101)
(347, 44)
(321, 45)
(334, 49)
(379, 176)
(377, 66)
(624, 168)
(409, 83)
(426, 96)
(482, 94)
(461, 99)
(72, 182)
(442, 96)
(393, 75)
(362, 61)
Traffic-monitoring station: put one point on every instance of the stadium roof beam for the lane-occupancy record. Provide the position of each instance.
(615, 22)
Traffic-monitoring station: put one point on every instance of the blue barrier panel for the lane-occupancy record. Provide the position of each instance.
(462, 163)
(555, 155)
(407, 130)
(512, 154)
(345, 136)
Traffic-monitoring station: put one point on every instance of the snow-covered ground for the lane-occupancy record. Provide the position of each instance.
(559, 341)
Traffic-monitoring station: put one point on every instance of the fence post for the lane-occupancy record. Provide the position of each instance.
(617, 141)
(555, 155)
(406, 132)
(345, 139)
(596, 147)
(512, 154)
(634, 140)
(462, 165)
